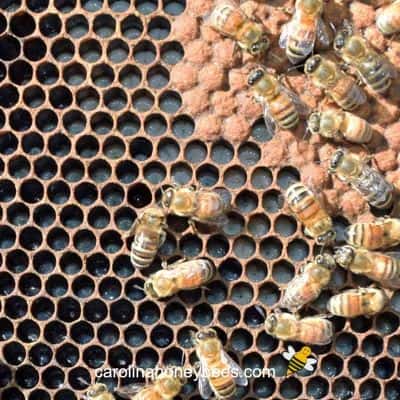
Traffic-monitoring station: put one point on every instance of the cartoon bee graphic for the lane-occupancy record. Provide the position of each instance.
(298, 36)
(300, 360)
(309, 211)
(282, 107)
(310, 330)
(340, 125)
(326, 75)
(384, 268)
(371, 67)
(149, 234)
(218, 373)
(388, 21)
(181, 275)
(379, 234)
(250, 35)
(201, 205)
(307, 286)
(352, 169)
(355, 302)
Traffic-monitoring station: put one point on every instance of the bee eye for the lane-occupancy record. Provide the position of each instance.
(255, 76)
(255, 48)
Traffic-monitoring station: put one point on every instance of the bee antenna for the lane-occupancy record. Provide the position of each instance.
(260, 311)
(139, 288)
(83, 380)
(295, 67)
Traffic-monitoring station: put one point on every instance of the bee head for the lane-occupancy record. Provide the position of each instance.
(260, 45)
(326, 238)
(205, 334)
(270, 323)
(344, 255)
(312, 64)
(335, 160)
(96, 390)
(339, 41)
(154, 216)
(313, 123)
(170, 384)
(255, 76)
(325, 260)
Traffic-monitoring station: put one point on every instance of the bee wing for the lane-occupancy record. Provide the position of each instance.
(269, 120)
(284, 36)
(301, 107)
(235, 369)
(322, 33)
(205, 388)
(290, 353)
(129, 390)
(394, 254)
(310, 364)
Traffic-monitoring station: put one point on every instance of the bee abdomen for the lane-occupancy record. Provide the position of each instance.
(285, 113)
(143, 252)
(352, 99)
(379, 79)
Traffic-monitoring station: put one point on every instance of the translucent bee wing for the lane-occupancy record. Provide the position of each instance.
(284, 36)
(310, 364)
(301, 108)
(129, 390)
(235, 369)
(269, 120)
(322, 33)
(205, 388)
(394, 254)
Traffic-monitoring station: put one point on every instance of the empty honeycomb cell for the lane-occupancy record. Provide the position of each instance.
(33, 96)
(346, 343)
(53, 377)
(175, 313)
(6, 329)
(50, 25)
(7, 283)
(317, 387)
(298, 250)
(94, 356)
(29, 284)
(242, 293)
(63, 50)
(43, 261)
(40, 354)
(18, 214)
(332, 365)
(172, 52)
(3, 24)
(258, 225)
(28, 331)
(246, 201)
(99, 217)
(384, 368)
(161, 336)
(148, 313)
(84, 241)
(82, 332)
(244, 247)
(99, 170)
(20, 120)
(7, 237)
(124, 218)
(264, 387)
(115, 99)
(234, 225)
(82, 286)
(256, 270)
(104, 25)
(90, 50)
(254, 316)
(207, 175)
(170, 101)
(7, 191)
(141, 149)
(142, 100)
(392, 389)
(154, 172)
(217, 246)
(271, 248)
(14, 353)
(9, 96)
(119, 357)
(283, 271)
(22, 24)
(56, 286)
(65, 394)
(190, 245)
(117, 51)
(92, 6)
(42, 308)
(37, 6)
(34, 49)
(278, 363)
(74, 74)
(272, 201)
(269, 293)
(285, 225)
(20, 72)
(39, 395)
(370, 389)
(10, 47)
(386, 323)
(26, 377)
(235, 177)
(8, 144)
(132, 27)
(108, 334)
(202, 315)
(358, 367)
(55, 332)
(372, 345)
(147, 358)
(58, 192)
(249, 154)
(87, 99)
(290, 388)
(86, 193)
(181, 173)
(95, 311)
(126, 172)
(67, 355)
(139, 195)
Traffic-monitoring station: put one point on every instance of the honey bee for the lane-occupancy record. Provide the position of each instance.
(310, 330)
(99, 391)
(228, 19)
(299, 35)
(342, 88)
(384, 268)
(308, 210)
(379, 234)
(218, 373)
(339, 125)
(372, 68)
(350, 168)
(281, 106)
(149, 233)
(388, 21)
(180, 275)
(200, 205)
(355, 302)
(307, 286)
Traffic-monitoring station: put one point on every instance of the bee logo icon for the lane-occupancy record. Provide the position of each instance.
(299, 361)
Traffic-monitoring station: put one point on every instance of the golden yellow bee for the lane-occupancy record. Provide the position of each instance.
(299, 360)
(298, 36)
(281, 106)
(388, 21)
(354, 170)
(149, 233)
(311, 330)
(307, 286)
(309, 211)
(340, 125)
(181, 275)
(99, 391)
(371, 67)
(384, 268)
(343, 89)
(218, 373)
(228, 19)
(202, 205)
(355, 302)
(379, 234)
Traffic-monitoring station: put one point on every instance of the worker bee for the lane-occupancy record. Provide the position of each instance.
(99, 391)
(149, 233)
(309, 211)
(342, 88)
(218, 373)
(228, 19)
(300, 360)
(202, 205)
(181, 275)
(311, 330)
(307, 286)
(372, 68)
(355, 302)
(379, 234)
(299, 35)
(281, 106)
(388, 21)
(384, 268)
(350, 168)
(339, 125)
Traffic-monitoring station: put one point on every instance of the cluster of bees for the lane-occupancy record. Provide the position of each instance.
(283, 109)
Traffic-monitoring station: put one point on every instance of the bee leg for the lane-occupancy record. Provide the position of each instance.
(193, 226)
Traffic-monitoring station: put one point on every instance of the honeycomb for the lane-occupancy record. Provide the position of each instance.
(92, 127)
